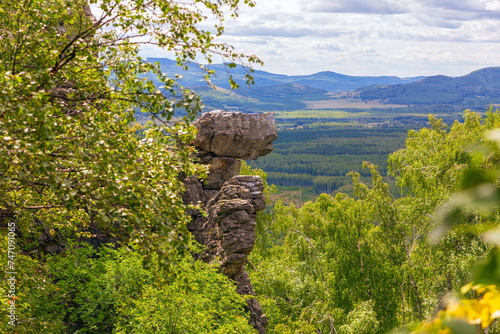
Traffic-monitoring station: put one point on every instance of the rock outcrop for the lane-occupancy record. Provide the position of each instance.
(234, 134)
(230, 201)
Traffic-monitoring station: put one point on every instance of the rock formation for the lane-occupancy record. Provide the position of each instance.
(234, 134)
(230, 201)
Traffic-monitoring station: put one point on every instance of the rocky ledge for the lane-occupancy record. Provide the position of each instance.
(230, 201)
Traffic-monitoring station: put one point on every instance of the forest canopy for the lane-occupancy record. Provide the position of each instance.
(75, 167)
(91, 201)
(72, 160)
(380, 261)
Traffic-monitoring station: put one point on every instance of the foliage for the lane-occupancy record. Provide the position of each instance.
(320, 158)
(109, 291)
(74, 165)
(463, 316)
(361, 320)
(347, 263)
(474, 207)
(72, 160)
(312, 256)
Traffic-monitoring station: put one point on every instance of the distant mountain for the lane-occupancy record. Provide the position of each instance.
(328, 81)
(331, 81)
(261, 98)
(274, 92)
(481, 87)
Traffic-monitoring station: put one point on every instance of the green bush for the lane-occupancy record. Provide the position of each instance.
(110, 291)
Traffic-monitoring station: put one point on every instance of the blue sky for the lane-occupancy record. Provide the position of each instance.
(369, 37)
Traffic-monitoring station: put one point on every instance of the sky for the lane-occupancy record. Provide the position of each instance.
(369, 37)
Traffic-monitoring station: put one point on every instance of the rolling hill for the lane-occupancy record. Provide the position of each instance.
(481, 87)
(279, 92)
(328, 81)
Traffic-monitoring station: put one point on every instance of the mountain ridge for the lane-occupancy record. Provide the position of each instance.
(482, 86)
(326, 80)
(279, 92)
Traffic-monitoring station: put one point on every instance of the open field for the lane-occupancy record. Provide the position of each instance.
(350, 103)
(321, 114)
(407, 116)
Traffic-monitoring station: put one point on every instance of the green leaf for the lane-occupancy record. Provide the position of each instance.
(488, 272)
(458, 326)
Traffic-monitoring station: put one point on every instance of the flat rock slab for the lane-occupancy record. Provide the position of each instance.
(235, 134)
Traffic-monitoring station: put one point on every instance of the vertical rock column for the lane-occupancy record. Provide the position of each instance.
(230, 200)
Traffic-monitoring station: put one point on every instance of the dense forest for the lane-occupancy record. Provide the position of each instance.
(366, 263)
(347, 264)
(93, 224)
(92, 220)
(321, 157)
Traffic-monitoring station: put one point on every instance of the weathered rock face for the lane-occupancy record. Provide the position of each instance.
(231, 201)
(234, 134)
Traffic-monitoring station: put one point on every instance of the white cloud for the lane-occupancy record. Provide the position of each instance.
(367, 37)
(327, 47)
(463, 5)
(386, 7)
